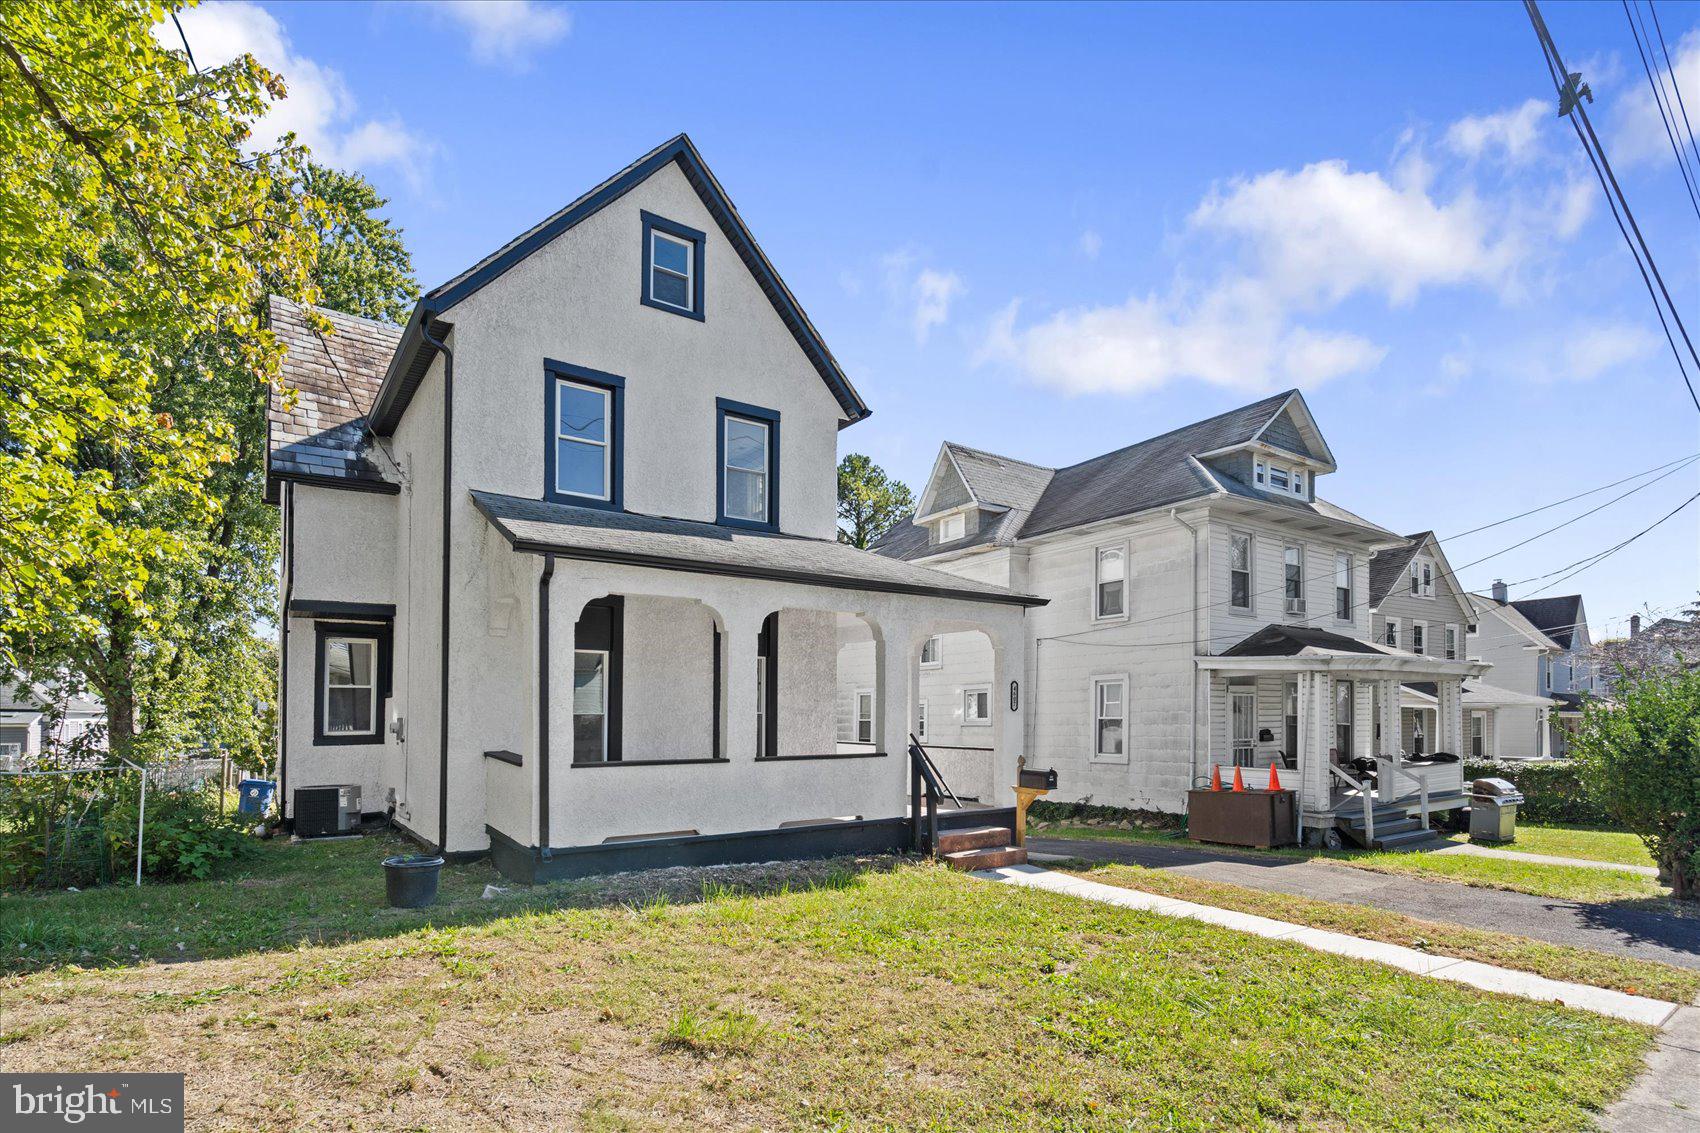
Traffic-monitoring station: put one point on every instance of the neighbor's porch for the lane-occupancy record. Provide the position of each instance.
(1326, 712)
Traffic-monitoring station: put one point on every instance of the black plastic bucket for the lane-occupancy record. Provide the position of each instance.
(410, 880)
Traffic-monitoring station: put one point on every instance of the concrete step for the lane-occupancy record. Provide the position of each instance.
(974, 838)
(986, 857)
(1405, 840)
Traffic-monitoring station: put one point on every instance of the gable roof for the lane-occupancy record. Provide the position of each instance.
(1293, 640)
(415, 352)
(324, 436)
(1000, 481)
(1512, 617)
(1387, 567)
(1556, 616)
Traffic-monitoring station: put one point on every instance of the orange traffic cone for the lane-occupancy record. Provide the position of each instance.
(1239, 784)
(1216, 777)
(1274, 779)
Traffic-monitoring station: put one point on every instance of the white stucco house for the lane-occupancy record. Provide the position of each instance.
(1208, 608)
(560, 580)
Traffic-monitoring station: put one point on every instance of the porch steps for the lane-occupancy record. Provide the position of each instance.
(980, 847)
(1391, 833)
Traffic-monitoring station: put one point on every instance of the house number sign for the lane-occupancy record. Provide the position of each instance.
(1015, 696)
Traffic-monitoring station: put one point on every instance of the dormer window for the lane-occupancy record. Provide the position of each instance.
(1274, 477)
(953, 527)
(672, 266)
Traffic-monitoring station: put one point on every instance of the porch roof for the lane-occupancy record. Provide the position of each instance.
(1295, 648)
(541, 527)
(1477, 694)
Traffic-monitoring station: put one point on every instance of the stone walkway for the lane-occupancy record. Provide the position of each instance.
(1616, 1004)
(1623, 928)
(1470, 849)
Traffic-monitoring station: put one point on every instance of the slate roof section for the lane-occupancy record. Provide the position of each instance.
(1000, 480)
(1556, 616)
(706, 548)
(336, 378)
(1290, 641)
(1387, 568)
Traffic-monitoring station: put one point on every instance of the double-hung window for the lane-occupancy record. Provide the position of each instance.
(1422, 578)
(748, 446)
(865, 716)
(1109, 718)
(1451, 643)
(1390, 633)
(1419, 633)
(582, 435)
(1478, 734)
(1239, 571)
(1293, 568)
(672, 266)
(1343, 587)
(590, 706)
(1109, 590)
(930, 657)
(976, 706)
(353, 679)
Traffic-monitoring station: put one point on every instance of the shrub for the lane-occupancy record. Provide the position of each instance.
(1552, 792)
(184, 836)
(1086, 811)
(1640, 754)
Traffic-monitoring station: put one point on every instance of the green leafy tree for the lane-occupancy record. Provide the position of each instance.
(1640, 755)
(869, 502)
(162, 550)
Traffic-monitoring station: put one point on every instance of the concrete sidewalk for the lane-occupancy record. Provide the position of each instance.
(1623, 928)
(1616, 1004)
(1666, 1097)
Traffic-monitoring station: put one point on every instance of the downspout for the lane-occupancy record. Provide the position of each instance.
(543, 707)
(448, 477)
(1192, 710)
(283, 648)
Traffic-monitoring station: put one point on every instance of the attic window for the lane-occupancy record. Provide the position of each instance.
(1273, 477)
(1422, 578)
(672, 266)
(953, 527)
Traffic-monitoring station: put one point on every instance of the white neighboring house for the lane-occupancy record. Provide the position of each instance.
(1207, 608)
(33, 720)
(560, 576)
(1417, 606)
(1539, 647)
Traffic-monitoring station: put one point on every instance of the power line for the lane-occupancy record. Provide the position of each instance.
(1638, 30)
(1670, 69)
(1572, 93)
(1595, 560)
(1544, 507)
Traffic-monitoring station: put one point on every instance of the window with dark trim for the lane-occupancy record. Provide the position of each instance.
(672, 266)
(747, 465)
(767, 688)
(598, 664)
(583, 435)
(1343, 604)
(351, 681)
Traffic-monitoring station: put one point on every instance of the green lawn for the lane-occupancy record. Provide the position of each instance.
(1582, 842)
(1567, 883)
(905, 996)
(1555, 961)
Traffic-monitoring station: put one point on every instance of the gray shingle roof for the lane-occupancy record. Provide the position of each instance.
(691, 545)
(1556, 616)
(1387, 567)
(1290, 641)
(1000, 480)
(336, 377)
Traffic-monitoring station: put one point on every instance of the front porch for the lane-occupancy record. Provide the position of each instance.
(1326, 711)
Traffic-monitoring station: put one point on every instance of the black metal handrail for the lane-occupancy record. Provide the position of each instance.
(926, 790)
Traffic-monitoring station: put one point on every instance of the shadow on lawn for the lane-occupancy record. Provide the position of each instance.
(289, 894)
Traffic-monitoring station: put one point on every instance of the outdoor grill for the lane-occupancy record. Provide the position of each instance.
(1493, 810)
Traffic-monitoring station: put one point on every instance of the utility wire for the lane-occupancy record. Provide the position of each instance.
(1544, 507)
(1571, 105)
(1596, 560)
(1638, 30)
(1670, 69)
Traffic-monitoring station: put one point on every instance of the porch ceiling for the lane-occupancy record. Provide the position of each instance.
(539, 527)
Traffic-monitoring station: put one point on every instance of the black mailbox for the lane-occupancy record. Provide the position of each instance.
(1043, 779)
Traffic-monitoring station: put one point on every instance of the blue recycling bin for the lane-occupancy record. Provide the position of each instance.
(255, 796)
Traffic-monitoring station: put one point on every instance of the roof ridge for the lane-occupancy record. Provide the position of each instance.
(1282, 397)
(998, 456)
(333, 311)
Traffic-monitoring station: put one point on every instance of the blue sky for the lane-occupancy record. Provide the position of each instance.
(1052, 231)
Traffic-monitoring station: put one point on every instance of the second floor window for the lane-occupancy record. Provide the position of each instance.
(1239, 571)
(1390, 633)
(581, 442)
(1418, 632)
(1343, 587)
(749, 487)
(1110, 589)
(1293, 565)
(672, 266)
(1451, 643)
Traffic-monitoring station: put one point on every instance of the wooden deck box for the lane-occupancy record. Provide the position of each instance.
(1243, 818)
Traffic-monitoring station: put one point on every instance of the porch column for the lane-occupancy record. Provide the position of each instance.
(1391, 740)
(1449, 720)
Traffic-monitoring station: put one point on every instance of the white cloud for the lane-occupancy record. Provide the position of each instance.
(1639, 136)
(1091, 244)
(1513, 134)
(507, 32)
(319, 110)
(1593, 351)
(933, 292)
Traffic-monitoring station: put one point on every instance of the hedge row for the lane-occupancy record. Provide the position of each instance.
(1552, 792)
